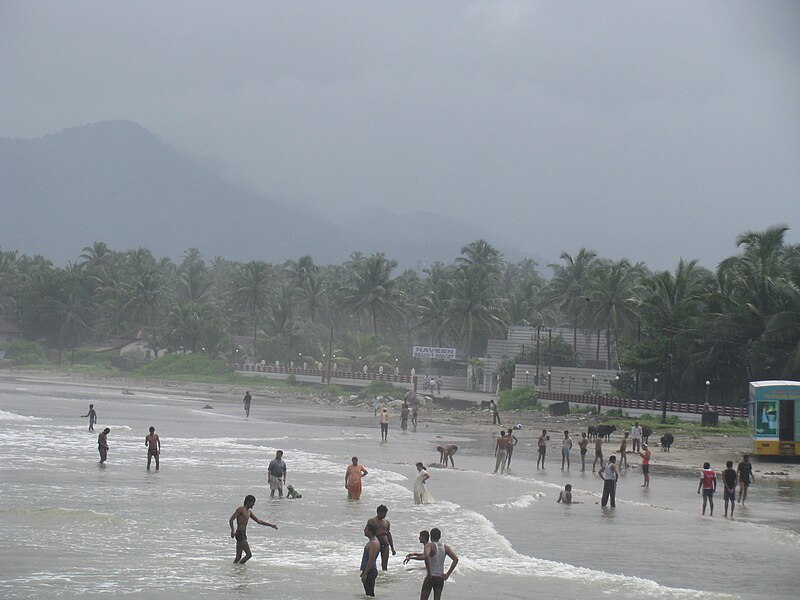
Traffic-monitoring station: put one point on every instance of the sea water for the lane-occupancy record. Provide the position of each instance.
(70, 526)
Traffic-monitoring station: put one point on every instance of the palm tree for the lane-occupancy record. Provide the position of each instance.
(371, 288)
(481, 253)
(571, 286)
(473, 307)
(251, 290)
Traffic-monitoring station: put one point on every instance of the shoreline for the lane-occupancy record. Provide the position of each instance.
(688, 452)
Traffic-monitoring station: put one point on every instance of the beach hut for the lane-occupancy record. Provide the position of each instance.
(775, 411)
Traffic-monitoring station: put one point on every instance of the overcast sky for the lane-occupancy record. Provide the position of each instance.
(644, 130)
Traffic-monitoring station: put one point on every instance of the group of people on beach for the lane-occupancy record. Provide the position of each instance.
(151, 441)
(742, 475)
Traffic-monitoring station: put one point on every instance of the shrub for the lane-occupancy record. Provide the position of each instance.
(333, 390)
(519, 399)
(381, 388)
(291, 379)
(184, 364)
(24, 352)
(614, 412)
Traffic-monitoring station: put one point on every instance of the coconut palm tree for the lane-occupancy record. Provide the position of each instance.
(473, 309)
(371, 288)
(251, 290)
(571, 285)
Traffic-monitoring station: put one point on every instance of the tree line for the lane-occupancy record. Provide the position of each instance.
(687, 326)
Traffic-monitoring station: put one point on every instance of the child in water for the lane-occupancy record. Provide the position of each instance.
(565, 495)
(292, 493)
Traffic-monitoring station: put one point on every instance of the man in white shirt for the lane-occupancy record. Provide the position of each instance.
(636, 437)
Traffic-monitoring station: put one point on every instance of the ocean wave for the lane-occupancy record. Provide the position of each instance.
(523, 501)
(9, 416)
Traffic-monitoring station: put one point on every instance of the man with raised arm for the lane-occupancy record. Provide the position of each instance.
(241, 516)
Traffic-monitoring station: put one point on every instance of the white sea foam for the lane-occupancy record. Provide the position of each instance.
(10, 416)
(523, 501)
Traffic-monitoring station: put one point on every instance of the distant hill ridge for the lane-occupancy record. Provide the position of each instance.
(115, 181)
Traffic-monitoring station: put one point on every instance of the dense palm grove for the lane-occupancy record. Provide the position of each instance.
(738, 323)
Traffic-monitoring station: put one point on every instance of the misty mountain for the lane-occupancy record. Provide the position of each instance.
(116, 182)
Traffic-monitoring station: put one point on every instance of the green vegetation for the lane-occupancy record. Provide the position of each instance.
(382, 388)
(683, 326)
(523, 398)
(181, 365)
(677, 426)
(24, 353)
(333, 390)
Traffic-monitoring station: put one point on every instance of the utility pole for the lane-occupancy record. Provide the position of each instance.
(330, 352)
(666, 384)
(538, 351)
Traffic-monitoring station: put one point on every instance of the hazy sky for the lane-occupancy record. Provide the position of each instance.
(639, 129)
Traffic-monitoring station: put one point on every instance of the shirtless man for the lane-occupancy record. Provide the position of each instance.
(247, 400)
(383, 533)
(414, 412)
(744, 472)
(541, 444)
(583, 446)
(598, 452)
(623, 450)
(102, 444)
(501, 452)
(153, 444)
(242, 515)
(512, 441)
(92, 417)
(424, 536)
(446, 452)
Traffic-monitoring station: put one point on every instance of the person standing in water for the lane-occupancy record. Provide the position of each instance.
(598, 452)
(241, 516)
(352, 479)
(746, 477)
(404, 416)
(623, 450)
(512, 441)
(383, 533)
(434, 555)
(501, 452)
(566, 446)
(583, 446)
(384, 425)
(421, 494)
(102, 444)
(276, 475)
(541, 445)
(708, 483)
(729, 481)
(414, 412)
(424, 538)
(610, 475)
(369, 560)
(645, 454)
(92, 417)
(447, 452)
(153, 444)
(246, 401)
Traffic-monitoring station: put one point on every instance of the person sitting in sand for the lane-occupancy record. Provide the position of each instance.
(352, 479)
(242, 515)
(447, 452)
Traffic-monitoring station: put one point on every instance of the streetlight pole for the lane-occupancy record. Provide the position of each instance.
(593, 380)
(549, 381)
(708, 385)
(526, 377)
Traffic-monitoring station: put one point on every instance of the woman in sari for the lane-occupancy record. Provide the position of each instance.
(352, 479)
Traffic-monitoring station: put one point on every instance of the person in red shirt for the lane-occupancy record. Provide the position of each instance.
(708, 483)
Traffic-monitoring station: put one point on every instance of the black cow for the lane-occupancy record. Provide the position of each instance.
(647, 431)
(591, 432)
(666, 441)
(605, 431)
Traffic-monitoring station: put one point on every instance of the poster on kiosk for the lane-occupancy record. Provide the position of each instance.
(775, 416)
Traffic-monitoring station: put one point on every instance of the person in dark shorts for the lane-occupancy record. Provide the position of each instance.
(729, 481)
(383, 533)
(92, 414)
(746, 477)
(242, 516)
(708, 483)
(645, 454)
(598, 452)
(369, 560)
(247, 400)
(102, 444)
(541, 444)
(434, 555)
(583, 446)
(153, 443)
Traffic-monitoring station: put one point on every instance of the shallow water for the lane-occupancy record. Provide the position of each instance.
(69, 526)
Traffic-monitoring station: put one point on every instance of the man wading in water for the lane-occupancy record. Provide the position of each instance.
(382, 525)
(153, 443)
(242, 515)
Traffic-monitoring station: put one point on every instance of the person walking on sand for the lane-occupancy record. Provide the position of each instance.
(583, 444)
(623, 450)
(447, 452)
(610, 475)
(352, 479)
(102, 444)
(276, 475)
(729, 481)
(153, 444)
(384, 420)
(708, 483)
(369, 560)
(645, 454)
(246, 401)
(566, 446)
(541, 445)
(383, 533)
(746, 477)
(434, 554)
(404, 416)
(512, 441)
(636, 437)
(495, 412)
(598, 452)
(241, 516)
(501, 452)
(92, 417)
(421, 493)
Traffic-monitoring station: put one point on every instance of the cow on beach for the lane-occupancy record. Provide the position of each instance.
(666, 441)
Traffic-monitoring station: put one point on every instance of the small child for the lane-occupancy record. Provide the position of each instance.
(292, 493)
(565, 495)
